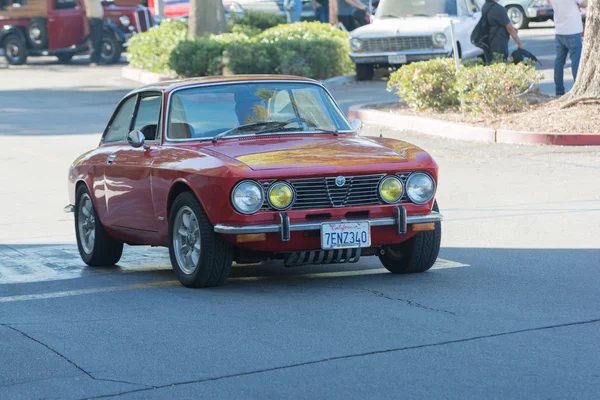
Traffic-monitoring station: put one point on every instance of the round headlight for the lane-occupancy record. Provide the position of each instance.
(390, 189)
(355, 44)
(247, 197)
(125, 21)
(439, 39)
(420, 187)
(280, 196)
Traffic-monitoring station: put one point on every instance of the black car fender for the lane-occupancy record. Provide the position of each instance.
(114, 30)
(16, 29)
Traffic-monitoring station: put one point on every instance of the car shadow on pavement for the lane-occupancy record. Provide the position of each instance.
(25, 268)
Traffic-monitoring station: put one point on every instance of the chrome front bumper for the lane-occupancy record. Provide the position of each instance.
(411, 56)
(284, 227)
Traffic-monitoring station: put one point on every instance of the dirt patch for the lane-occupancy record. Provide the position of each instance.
(542, 114)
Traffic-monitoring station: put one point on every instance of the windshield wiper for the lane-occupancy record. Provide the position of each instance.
(245, 127)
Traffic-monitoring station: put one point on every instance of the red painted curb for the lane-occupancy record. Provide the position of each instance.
(458, 131)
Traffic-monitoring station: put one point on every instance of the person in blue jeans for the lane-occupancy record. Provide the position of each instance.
(293, 10)
(321, 10)
(568, 28)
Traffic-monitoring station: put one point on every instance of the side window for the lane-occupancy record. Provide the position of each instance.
(147, 116)
(464, 9)
(119, 127)
(65, 4)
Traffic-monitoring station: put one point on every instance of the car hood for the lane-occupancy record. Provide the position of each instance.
(317, 152)
(412, 26)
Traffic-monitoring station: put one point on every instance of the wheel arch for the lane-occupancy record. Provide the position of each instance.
(180, 186)
(113, 30)
(12, 29)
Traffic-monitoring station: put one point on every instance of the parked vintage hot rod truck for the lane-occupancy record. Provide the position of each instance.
(59, 28)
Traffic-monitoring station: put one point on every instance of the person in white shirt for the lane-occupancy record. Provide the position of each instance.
(568, 29)
(95, 14)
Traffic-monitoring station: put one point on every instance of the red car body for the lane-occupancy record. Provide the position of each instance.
(44, 28)
(133, 194)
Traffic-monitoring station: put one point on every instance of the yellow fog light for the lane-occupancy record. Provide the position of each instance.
(281, 195)
(390, 189)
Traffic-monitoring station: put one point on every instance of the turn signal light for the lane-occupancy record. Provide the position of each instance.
(430, 226)
(251, 237)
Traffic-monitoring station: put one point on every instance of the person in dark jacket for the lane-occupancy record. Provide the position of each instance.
(500, 30)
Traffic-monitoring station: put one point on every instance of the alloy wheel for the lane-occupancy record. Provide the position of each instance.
(186, 240)
(86, 220)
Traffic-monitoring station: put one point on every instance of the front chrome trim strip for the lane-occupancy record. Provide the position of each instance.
(315, 226)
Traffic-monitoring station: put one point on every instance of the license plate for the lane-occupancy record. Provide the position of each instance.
(397, 59)
(345, 235)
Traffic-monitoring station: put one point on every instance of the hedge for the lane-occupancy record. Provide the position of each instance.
(435, 84)
(297, 49)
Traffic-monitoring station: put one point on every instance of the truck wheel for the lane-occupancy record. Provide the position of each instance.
(417, 254)
(96, 247)
(111, 49)
(15, 49)
(364, 72)
(199, 256)
(37, 33)
(517, 17)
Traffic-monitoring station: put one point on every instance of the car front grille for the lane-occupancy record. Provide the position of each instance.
(325, 193)
(398, 43)
(144, 19)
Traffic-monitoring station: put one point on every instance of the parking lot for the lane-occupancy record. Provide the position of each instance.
(510, 309)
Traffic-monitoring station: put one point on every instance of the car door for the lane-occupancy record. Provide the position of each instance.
(65, 24)
(469, 15)
(128, 170)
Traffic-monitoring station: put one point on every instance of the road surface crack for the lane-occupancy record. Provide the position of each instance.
(350, 356)
(74, 364)
(407, 302)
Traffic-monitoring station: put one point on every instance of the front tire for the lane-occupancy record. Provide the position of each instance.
(111, 49)
(199, 256)
(96, 247)
(517, 17)
(418, 254)
(15, 49)
(364, 72)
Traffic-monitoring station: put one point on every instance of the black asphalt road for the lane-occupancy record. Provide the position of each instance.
(510, 310)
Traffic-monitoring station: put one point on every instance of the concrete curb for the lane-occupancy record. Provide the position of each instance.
(147, 78)
(141, 76)
(339, 80)
(467, 132)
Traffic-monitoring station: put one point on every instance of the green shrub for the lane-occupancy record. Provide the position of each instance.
(257, 20)
(246, 30)
(495, 88)
(491, 89)
(426, 84)
(296, 49)
(151, 50)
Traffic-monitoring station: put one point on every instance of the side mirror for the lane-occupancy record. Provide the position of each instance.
(136, 139)
(356, 124)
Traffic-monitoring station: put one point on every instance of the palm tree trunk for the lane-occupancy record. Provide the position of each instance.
(206, 16)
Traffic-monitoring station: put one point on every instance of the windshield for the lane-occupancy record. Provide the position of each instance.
(205, 112)
(415, 8)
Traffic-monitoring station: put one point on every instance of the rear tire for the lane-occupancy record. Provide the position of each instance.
(111, 49)
(96, 247)
(418, 254)
(364, 72)
(517, 17)
(200, 257)
(15, 49)
(37, 33)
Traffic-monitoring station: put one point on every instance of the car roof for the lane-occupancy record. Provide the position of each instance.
(168, 86)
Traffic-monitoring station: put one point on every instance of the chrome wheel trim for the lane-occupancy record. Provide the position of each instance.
(107, 50)
(186, 240)
(86, 223)
(12, 50)
(516, 16)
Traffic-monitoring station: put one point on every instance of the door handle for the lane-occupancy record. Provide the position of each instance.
(111, 159)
